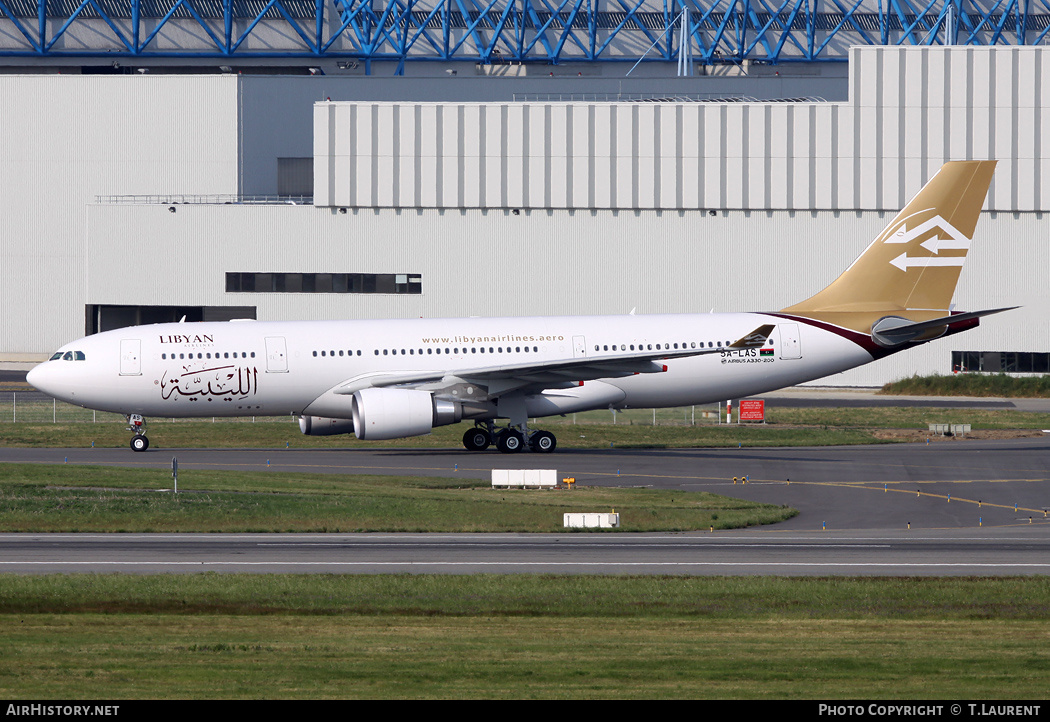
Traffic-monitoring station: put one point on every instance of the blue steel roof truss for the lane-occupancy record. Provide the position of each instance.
(33, 40)
(500, 31)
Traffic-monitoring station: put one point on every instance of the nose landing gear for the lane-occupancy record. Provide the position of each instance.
(137, 424)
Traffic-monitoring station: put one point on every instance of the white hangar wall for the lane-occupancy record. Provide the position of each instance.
(68, 139)
(492, 262)
(798, 190)
(910, 109)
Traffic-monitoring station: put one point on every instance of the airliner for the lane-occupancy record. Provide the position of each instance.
(386, 379)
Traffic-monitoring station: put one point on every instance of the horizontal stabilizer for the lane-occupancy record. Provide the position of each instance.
(894, 330)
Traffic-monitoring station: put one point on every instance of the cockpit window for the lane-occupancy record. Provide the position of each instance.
(79, 356)
(68, 356)
(56, 357)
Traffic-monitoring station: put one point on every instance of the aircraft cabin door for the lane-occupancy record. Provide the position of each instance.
(579, 347)
(130, 357)
(790, 342)
(276, 355)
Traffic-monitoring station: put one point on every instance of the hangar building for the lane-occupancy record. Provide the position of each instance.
(146, 197)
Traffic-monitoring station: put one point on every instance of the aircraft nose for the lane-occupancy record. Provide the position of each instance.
(42, 378)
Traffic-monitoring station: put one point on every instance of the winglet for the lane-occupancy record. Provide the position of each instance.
(755, 339)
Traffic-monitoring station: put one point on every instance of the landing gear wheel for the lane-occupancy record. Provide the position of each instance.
(543, 442)
(509, 441)
(139, 443)
(476, 439)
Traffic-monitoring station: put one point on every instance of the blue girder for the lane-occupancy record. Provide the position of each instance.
(511, 31)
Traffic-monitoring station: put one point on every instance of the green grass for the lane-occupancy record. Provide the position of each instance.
(529, 595)
(907, 417)
(633, 429)
(683, 427)
(522, 636)
(41, 498)
(233, 435)
(971, 384)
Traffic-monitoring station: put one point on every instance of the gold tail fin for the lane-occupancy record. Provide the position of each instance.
(914, 264)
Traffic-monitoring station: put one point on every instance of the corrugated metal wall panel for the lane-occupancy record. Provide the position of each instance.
(911, 109)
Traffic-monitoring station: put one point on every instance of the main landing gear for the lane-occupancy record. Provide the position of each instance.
(509, 440)
(137, 424)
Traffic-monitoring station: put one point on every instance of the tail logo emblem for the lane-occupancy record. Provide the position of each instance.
(947, 238)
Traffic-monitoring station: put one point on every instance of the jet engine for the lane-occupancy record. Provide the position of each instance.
(396, 413)
(322, 426)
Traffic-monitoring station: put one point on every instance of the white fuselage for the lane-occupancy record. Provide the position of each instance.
(254, 368)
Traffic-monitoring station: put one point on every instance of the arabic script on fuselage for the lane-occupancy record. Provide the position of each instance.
(226, 382)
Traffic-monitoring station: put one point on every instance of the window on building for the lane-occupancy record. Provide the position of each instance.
(997, 362)
(389, 283)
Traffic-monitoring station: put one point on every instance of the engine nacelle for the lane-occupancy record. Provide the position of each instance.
(397, 413)
(323, 426)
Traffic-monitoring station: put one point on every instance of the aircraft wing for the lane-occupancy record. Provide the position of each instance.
(555, 373)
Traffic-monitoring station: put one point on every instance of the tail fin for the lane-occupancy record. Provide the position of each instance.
(914, 264)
